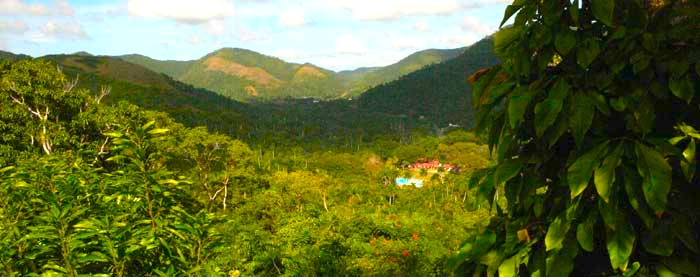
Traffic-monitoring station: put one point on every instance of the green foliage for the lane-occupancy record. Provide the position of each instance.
(593, 116)
(439, 92)
(360, 80)
(131, 192)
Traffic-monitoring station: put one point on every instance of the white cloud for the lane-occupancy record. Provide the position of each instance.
(474, 24)
(18, 7)
(349, 44)
(368, 10)
(292, 18)
(421, 26)
(64, 30)
(185, 11)
(215, 27)
(63, 8)
(13, 27)
(195, 40)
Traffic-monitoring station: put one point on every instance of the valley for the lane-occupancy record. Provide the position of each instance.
(560, 140)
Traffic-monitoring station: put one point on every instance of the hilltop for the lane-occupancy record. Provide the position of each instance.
(246, 75)
(438, 93)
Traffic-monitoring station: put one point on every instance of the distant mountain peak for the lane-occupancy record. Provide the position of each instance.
(82, 54)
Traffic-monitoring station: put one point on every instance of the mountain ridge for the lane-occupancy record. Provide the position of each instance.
(245, 75)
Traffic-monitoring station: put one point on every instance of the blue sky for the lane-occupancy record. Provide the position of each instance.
(337, 35)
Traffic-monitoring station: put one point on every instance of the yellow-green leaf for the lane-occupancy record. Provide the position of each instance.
(158, 131)
(556, 233)
(584, 234)
(579, 173)
(509, 267)
(620, 244)
(604, 176)
(657, 176)
(690, 163)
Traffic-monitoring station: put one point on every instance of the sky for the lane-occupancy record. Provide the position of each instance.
(337, 35)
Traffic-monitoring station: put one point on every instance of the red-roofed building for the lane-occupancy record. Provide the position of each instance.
(432, 165)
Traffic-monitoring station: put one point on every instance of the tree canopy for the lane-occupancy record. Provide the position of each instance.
(593, 116)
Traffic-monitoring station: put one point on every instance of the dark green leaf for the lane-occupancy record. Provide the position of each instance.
(584, 233)
(603, 10)
(565, 41)
(604, 176)
(581, 117)
(684, 232)
(659, 240)
(510, 11)
(657, 176)
(682, 88)
(635, 198)
(574, 12)
(483, 243)
(505, 37)
(507, 170)
(580, 172)
(561, 262)
(618, 104)
(587, 52)
(546, 113)
(519, 101)
(599, 101)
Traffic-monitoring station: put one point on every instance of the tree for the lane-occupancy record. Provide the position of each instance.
(39, 98)
(592, 116)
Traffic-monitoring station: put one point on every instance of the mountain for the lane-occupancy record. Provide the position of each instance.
(439, 92)
(4, 55)
(364, 78)
(247, 75)
(169, 67)
(155, 91)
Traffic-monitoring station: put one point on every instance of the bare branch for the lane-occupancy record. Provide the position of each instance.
(225, 192)
(104, 91)
(102, 150)
(217, 192)
(71, 84)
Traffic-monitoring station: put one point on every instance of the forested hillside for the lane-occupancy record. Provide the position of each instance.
(304, 122)
(360, 80)
(90, 187)
(150, 90)
(439, 92)
(245, 75)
